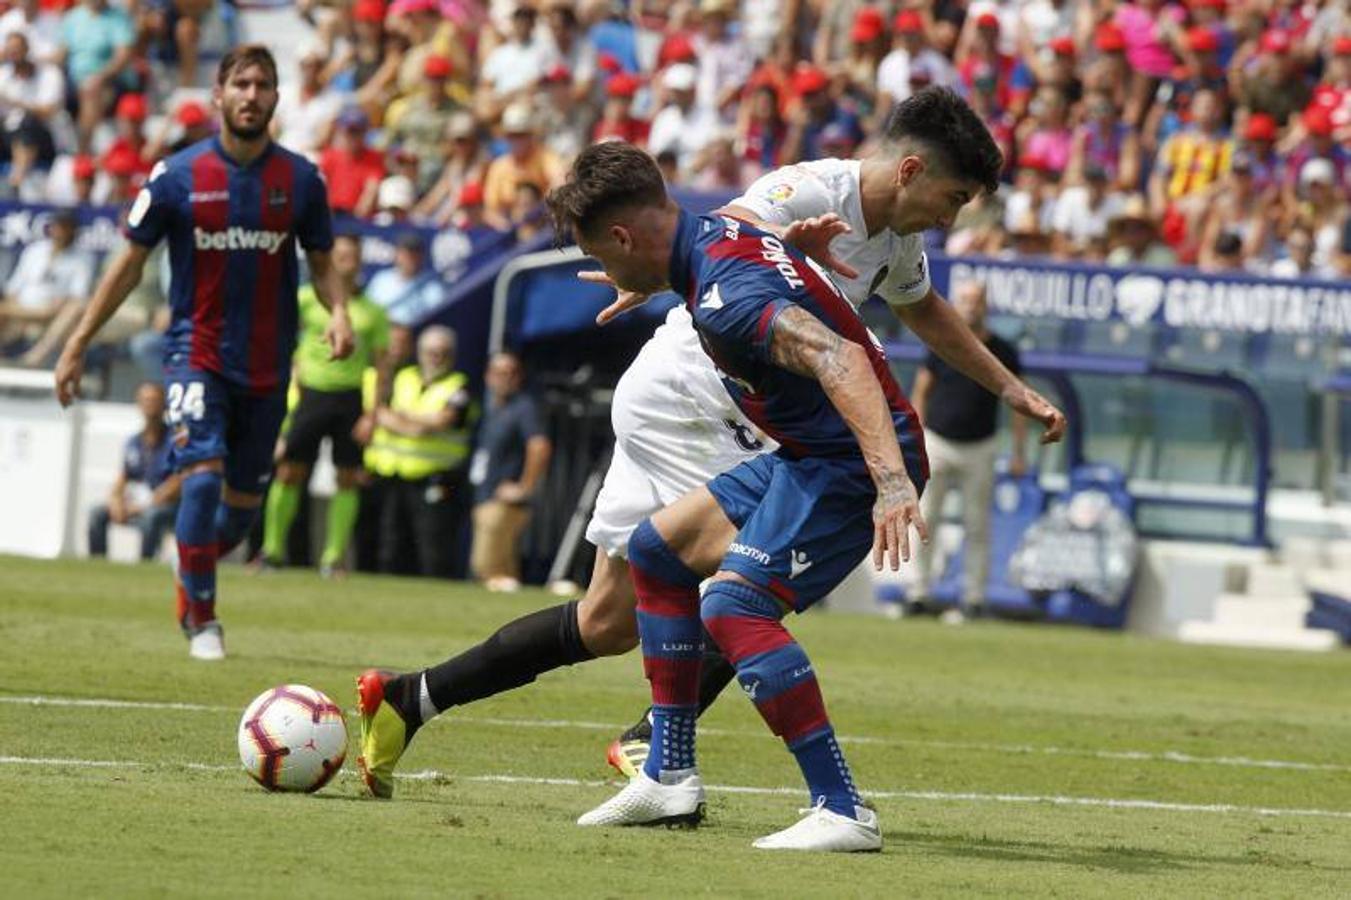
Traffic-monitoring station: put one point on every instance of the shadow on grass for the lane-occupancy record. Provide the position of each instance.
(1117, 858)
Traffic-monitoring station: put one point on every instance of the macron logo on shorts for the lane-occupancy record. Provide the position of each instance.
(754, 553)
(237, 238)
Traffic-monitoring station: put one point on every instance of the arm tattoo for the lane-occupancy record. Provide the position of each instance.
(804, 346)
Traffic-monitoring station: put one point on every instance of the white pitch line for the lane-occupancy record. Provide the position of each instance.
(1167, 756)
(938, 796)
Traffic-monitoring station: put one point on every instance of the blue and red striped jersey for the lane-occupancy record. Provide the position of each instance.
(232, 234)
(737, 280)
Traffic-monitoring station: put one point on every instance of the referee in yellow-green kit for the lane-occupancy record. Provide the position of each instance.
(330, 407)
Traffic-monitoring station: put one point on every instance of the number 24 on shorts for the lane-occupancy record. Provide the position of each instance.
(185, 400)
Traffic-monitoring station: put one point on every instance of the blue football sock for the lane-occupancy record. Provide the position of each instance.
(195, 531)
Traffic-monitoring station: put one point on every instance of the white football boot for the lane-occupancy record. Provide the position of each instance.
(828, 832)
(647, 802)
(207, 643)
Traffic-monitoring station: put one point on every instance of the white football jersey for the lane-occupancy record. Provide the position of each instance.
(890, 265)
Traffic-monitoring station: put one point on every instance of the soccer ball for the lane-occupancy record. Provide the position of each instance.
(292, 738)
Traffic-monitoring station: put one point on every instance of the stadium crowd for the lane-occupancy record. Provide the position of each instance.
(1209, 132)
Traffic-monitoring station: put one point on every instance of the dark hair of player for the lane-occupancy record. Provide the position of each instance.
(604, 179)
(954, 135)
(246, 55)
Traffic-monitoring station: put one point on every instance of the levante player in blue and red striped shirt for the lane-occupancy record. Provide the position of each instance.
(232, 208)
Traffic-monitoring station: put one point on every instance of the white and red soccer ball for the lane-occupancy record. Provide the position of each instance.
(292, 738)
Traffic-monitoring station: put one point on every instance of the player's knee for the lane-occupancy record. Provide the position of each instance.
(652, 562)
(742, 619)
(292, 473)
(348, 478)
(607, 629)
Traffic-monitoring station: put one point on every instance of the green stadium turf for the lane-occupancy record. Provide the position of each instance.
(1005, 760)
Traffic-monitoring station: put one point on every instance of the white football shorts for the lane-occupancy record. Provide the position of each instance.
(675, 430)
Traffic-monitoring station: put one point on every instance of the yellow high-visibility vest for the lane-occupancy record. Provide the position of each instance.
(441, 451)
(377, 456)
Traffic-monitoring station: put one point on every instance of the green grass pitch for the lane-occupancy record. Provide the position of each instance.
(1004, 760)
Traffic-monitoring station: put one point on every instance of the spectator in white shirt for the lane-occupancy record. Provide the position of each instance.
(1081, 213)
(911, 48)
(680, 128)
(31, 97)
(514, 66)
(42, 28)
(46, 292)
(307, 109)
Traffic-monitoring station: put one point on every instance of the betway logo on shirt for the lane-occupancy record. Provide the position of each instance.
(236, 238)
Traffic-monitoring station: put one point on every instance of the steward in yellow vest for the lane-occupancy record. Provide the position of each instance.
(429, 429)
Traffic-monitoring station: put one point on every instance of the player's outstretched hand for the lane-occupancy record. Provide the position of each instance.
(1023, 399)
(69, 371)
(338, 334)
(894, 514)
(813, 236)
(626, 300)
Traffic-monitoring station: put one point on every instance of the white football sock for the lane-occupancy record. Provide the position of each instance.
(426, 708)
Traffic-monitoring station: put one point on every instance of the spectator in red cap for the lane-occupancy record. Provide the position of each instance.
(723, 62)
(1319, 142)
(419, 23)
(568, 45)
(1275, 82)
(1107, 69)
(563, 122)
(868, 45)
(1058, 68)
(469, 214)
(1199, 70)
(31, 96)
(366, 58)
(617, 121)
(815, 110)
(983, 60)
(465, 161)
(83, 171)
(352, 170)
(126, 170)
(418, 122)
(1034, 193)
(513, 67)
(910, 48)
(1260, 133)
(834, 29)
(676, 48)
(190, 123)
(130, 147)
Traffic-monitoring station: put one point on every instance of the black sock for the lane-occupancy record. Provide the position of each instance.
(715, 673)
(513, 656)
(402, 692)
